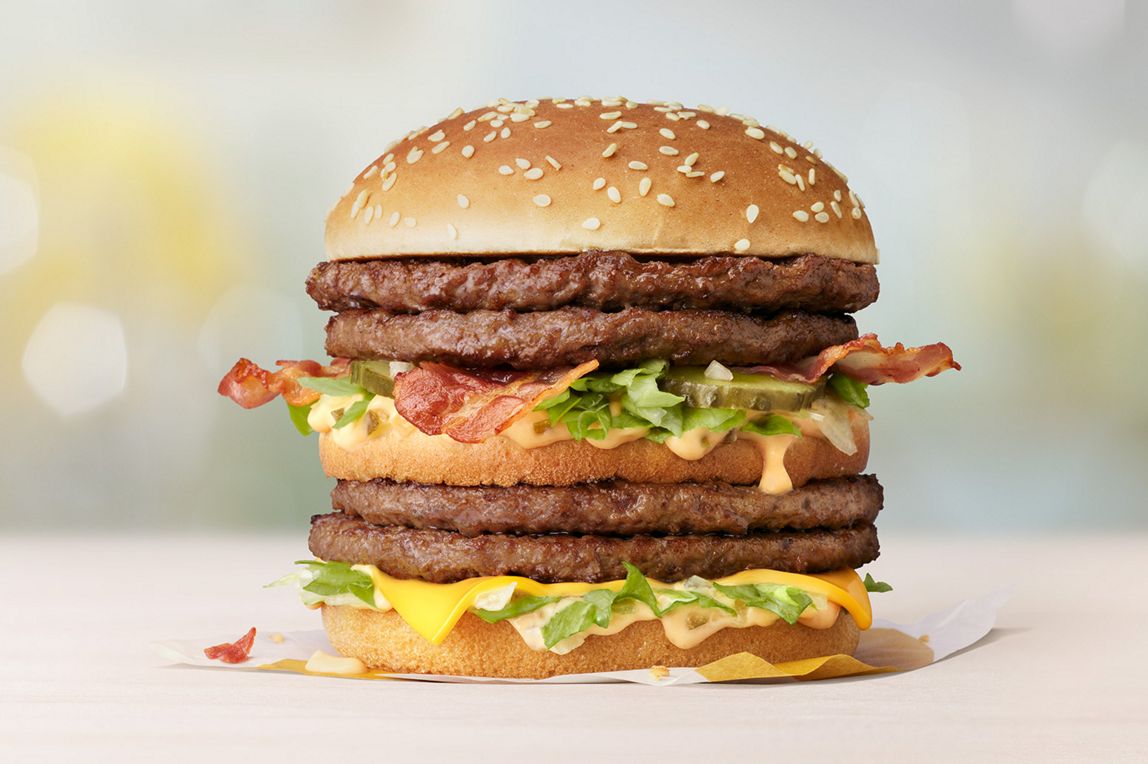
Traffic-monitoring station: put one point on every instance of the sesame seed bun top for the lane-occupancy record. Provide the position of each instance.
(566, 176)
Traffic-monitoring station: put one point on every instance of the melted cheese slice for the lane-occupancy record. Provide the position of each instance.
(433, 609)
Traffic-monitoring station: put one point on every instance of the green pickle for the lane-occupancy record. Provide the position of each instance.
(757, 392)
(373, 376)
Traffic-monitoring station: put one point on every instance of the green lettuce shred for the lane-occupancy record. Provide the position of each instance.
(330, 579)
(874, 586)
(849, 390)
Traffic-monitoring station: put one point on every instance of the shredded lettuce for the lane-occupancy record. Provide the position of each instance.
(587, 411)
(330, 579)
(598, 606)
(849, 390)
(873, 585)
(299, 416)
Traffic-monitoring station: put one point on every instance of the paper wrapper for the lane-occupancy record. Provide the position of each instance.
(885, 648)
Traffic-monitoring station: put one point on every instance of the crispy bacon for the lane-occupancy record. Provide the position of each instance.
(250, 386)
(473, 405)
(232, 652)
(866, 360)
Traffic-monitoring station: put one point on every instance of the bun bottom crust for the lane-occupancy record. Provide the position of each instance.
(384, 641)
(412, 456)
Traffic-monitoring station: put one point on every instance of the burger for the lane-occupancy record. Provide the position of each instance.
(596, 401)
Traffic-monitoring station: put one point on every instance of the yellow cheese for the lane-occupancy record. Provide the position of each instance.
(433, 609)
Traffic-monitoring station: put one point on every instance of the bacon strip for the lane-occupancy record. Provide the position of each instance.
(232, 652)
(250, 386)
(867, 360)
(470, 405)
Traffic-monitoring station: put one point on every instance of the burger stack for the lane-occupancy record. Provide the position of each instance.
(597, 400)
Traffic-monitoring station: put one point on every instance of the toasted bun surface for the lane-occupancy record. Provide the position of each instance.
(567, 176)
(384, 641)
(409, 455)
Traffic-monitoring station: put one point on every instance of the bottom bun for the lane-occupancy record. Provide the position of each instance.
(385, 642)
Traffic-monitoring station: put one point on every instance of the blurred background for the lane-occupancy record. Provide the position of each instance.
(164, 178)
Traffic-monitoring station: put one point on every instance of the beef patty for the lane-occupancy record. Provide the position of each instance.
(569, 336)
(445, 556)
(602, 280)
(611, 508)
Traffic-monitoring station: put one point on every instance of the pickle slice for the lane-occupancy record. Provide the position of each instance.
(373, 376)
(758, 392)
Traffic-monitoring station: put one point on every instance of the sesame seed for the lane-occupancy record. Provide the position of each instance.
(776, 147)
(791, 152)
(371, 172)
(564, 105)
(533, 174)
(614, 194)
(817, 206)
(836, 208)
(469, 125)
(741, 245)
(543, 123)
(669, 151)
(388, 159)
(369, 216)
(451, 231)
(634, 164)
(610, 115)
(628, 125)
(837, 194)
(715, 177)
(497, 123)
(506, 169)
(389, 182)
(410, 222)
(703, 124)
(414, 155)
(856, 213)
(440, 147)
(519, 116)
(591, 224)
(542, 200)
(801, 215)
(522, 163)
(504, 133)
(751, 212)
(360, 200)
(394, 219)
(812, 177)
(609, 152)
(468, 151)
(691, 159)
(598, 184)
(614, 128)
(695, 174)
(755, 132)
(667, 133)
(821, 217)
(644, 186)
(800, 181)
(436, 136)
(787, 176)
(683, 168)
(672, 116)
(490, 136)
(463, 201)
(390, 166)
(584, 101)
(853, 198)
(665, 200)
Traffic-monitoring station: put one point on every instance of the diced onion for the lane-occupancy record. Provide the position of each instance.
(835, 424)
(716, 371)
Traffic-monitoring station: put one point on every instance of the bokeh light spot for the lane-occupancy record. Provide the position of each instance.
(19, 210)
(77, 358)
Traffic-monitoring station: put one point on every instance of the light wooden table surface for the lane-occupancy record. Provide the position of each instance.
(1063, 677)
